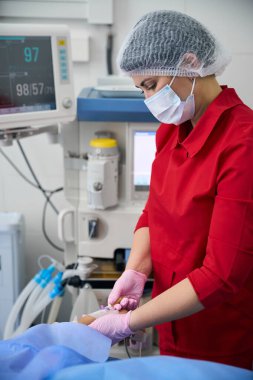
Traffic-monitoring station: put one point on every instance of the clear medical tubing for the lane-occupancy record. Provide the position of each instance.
(22, 298)
(29, 303)
(37, 309)
(44, 302)
(57, 291)
(41, 304)
(54, 310)
(43, 281)
(42, 278)
(9, 327)
(69, 273)
(46, 290)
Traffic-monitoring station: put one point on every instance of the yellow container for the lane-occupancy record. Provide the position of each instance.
(103, 143)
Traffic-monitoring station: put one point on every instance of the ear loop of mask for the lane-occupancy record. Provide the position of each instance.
(172, 80)
(193, 86)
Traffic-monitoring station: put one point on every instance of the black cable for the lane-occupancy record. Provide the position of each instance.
(109, 48)
(47, 194)
(126, 348)
(17, 169)
(44, 220)
(35, 177)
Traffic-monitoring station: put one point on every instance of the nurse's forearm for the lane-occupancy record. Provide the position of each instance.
(140, 259)
(177, 302)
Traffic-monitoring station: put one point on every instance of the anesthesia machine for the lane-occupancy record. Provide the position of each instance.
(108, 153)
(108, 141)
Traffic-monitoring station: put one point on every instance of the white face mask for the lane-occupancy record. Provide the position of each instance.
(168, 108)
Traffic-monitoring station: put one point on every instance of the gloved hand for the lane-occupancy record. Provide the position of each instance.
(114, 326)
(130, 286)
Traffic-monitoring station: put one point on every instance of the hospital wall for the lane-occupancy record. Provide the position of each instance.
(230, 20)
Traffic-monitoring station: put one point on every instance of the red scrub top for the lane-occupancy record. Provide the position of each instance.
(200, 219)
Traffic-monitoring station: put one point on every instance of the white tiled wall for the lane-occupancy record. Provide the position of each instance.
(230, 20)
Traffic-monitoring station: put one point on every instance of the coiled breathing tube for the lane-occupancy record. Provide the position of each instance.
(33, 297)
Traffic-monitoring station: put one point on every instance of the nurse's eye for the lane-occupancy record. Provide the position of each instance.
(150, 87)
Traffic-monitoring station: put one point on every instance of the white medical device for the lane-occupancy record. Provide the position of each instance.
(89, 227)
(102, 173)
(36, 83)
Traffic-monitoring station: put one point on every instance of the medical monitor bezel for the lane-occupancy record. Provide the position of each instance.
(64, 90)
(136, 195)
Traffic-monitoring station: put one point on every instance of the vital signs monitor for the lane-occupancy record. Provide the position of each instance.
(36, 83)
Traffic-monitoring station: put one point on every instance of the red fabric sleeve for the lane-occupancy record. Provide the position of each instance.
(229, 254)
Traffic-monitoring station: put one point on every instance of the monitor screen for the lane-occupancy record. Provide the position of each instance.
(142, 151)
(143, 155)
(27, 77)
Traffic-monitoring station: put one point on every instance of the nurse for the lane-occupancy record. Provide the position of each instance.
(196, 231)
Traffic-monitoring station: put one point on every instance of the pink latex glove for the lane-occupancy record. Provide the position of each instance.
(114, 326)
(130, 286)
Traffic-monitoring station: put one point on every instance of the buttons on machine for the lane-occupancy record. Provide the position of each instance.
(63, 59)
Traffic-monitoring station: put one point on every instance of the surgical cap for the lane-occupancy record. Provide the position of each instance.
(171, 43)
